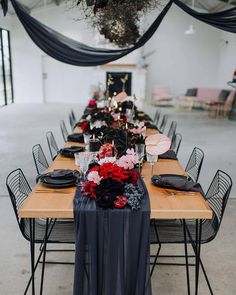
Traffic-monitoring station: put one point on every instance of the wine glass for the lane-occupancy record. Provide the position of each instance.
(152, 159)
(87, 137)
(82, 160)
(140, 151)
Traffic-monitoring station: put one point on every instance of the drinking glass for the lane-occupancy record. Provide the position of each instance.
(82, 160)
(87, 137)
(152, 159)
(140, 151)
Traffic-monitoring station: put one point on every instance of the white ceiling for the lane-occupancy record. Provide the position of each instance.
(206, 5)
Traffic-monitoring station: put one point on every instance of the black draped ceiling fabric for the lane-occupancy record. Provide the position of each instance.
(72, 52)
(4, 4)
(224, 20)
(75, 53)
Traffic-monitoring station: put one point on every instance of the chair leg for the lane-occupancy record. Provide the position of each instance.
(186, 256)
(44, 257)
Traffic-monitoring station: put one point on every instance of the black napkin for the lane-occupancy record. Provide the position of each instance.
(70, 151)
(61, 173)
(170, 154)
(151, 126)
(178, 182)
(76, 137)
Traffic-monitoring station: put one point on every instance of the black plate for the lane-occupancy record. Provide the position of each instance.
(56, 182)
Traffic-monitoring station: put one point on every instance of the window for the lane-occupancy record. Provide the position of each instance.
(6, 89)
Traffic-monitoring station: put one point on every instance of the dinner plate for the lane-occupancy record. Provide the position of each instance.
(58, 182)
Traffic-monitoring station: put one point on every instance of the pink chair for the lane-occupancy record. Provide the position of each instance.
(161, 95)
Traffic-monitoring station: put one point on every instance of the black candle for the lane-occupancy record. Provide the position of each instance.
(94, 145)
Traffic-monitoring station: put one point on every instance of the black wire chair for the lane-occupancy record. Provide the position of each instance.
(194, 165)
(172, 130)
(41, 163)
(58, 231)
(64, 130)
(73, 115)
(171, 232)
(157, 117)
(163, 123)
(72, 121)
(52, 144)
(175, 145)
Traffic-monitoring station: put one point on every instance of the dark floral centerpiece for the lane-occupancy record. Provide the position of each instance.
(113, 182)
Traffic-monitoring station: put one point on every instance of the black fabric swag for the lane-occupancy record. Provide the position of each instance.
(112, 248)
(72, 52)
(75, 53)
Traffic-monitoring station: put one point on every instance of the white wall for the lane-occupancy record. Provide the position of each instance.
(183, 61)
(180, 61)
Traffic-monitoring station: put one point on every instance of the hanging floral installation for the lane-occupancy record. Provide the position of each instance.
(117, 20)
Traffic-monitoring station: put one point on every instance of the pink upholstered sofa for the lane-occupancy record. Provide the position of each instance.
(207, 97)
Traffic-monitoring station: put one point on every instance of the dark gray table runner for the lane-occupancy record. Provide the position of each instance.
(112, 248)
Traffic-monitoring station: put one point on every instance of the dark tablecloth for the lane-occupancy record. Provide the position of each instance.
(112, 248)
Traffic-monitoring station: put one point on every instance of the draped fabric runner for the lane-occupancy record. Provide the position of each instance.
(112, 248)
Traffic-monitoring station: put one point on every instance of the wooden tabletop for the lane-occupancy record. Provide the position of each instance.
(46, 202)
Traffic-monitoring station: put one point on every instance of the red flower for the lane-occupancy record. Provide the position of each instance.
(133, 176)
(85, 126)
(95, 168)
(120, 202)
(92, 103)
(89, 188)
(109, 170)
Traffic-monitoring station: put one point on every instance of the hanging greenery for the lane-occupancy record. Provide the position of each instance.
(117, 20)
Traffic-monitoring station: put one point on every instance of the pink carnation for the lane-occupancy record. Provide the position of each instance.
(94, 176)
(129, 160)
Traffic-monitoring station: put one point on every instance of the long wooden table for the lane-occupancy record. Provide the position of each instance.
(49, 203)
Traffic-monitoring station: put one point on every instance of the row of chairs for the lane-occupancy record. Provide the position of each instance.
(176, 138)
(171, 232)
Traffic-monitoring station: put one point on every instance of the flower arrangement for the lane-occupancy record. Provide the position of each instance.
(113, 183)
(85, 126)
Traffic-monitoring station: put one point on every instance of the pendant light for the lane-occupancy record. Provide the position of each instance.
(191, 30)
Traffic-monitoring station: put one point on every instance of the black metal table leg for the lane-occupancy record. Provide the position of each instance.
(186, 256)
(32, 252)
(198, 252)
(44, 256)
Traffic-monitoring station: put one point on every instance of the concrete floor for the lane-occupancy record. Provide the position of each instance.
(22, 126)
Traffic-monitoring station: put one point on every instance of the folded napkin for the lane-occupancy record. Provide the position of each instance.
(170, 154)
(70, 151)
(178, 182)
(76, 137)
(60, 173)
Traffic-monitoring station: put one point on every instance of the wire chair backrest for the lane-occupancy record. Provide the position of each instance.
(64, 130)
(72, 122)
(73, 115)
(40, 160)
(163, 123)
(176, 143)
(156, 117)
(19, 190)
(218, 194)
(172, 130)
(194, 165)
(52, 144)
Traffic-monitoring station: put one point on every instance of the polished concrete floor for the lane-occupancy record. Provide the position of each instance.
(22, 126)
